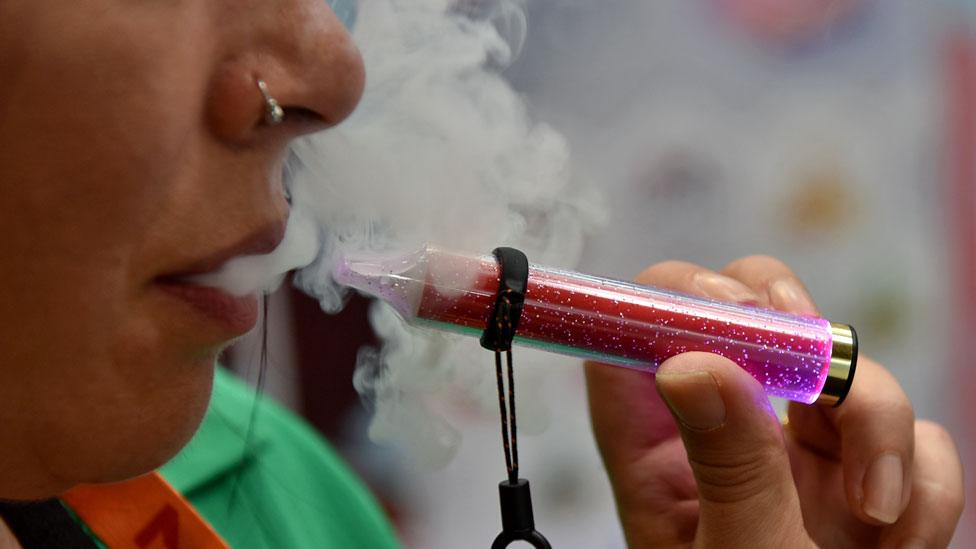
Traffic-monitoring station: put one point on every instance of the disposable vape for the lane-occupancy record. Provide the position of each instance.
(801, 358)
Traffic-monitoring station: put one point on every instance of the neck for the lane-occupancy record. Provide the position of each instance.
(7, 539)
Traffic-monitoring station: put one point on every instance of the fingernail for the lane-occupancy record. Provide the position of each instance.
(882, 488)
(913, 543)
(725, 288)
(694, 398)
(788, 295)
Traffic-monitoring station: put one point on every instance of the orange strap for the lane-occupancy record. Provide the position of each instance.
(145, 512)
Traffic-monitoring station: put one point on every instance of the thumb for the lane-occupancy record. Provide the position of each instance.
(737, 453)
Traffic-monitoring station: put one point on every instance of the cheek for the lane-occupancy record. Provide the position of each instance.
(82, 358)
(71, 287)
(89, 173)
(91, 149)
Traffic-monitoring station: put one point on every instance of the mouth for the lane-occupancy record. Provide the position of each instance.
(236, 314)
(233, 314)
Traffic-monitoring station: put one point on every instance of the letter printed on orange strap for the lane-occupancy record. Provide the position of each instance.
(145, 512)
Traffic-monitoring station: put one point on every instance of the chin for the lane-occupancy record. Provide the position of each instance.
(148, 457)
(137, 437)
(167, 430)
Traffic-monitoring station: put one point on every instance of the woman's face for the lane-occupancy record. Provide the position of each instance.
(133, 150)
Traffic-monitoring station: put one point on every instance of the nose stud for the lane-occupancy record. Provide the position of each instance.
(273, 113)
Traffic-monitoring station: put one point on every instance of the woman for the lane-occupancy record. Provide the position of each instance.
(136, 151)
(141, 144)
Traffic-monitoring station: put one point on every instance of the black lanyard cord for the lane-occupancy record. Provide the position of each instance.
(509, 427)
(518, 523)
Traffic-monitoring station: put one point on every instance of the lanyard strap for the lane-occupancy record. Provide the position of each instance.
(143, 512)
(518, 522)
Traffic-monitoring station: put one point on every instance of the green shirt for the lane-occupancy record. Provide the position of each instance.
(291, 491)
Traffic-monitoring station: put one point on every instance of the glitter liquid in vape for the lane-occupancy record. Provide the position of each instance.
(602, 319)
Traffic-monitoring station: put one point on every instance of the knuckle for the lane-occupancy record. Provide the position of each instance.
(737, 479)
(758, 263)
(892, 415)
(665, 270)
(876, 396)
(932, 431)
(901, 409)
(948, 499)
(955, 500)
(945, 488)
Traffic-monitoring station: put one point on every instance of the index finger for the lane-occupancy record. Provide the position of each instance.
(776, 284)
(625, 404)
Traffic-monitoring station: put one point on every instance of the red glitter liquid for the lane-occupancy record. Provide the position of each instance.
(630, 325)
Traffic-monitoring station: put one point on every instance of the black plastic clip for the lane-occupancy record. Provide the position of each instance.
(504, 319)
(518, 523)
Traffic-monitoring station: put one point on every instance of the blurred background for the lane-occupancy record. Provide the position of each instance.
(837, 135)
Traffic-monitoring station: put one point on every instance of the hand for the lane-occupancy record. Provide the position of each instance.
(725, 473)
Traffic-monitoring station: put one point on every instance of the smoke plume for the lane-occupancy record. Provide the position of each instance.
(441, 150)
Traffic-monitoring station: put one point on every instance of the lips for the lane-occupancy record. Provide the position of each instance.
(234, 314)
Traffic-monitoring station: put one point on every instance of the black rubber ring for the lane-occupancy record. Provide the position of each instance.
(513, 283)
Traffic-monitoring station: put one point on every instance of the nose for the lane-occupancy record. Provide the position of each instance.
(303, 53)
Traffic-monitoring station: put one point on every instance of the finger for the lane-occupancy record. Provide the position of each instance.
(873, 430)
(736, 451)
(695, 280)
(647, 469)
(937, 493)
(623, 403)
(627, 414)
(873, 433)
(776, 284)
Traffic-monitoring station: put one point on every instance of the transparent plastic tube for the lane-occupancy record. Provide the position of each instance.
(806, 359)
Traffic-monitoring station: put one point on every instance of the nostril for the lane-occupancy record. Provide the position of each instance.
(301, 113)
(302, 120)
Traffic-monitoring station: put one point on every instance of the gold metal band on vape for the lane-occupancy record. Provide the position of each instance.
(843, 361)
